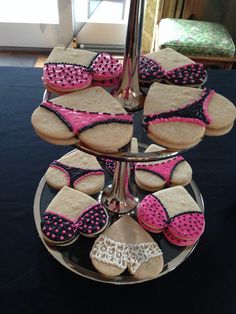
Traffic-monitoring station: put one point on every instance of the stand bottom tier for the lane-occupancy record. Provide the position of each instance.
(76, 256)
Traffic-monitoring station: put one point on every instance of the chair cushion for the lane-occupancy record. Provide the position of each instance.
(195, 37)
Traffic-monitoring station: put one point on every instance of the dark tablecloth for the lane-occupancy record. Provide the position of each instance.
(33, 282)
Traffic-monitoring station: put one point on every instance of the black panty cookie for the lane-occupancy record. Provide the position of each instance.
(127, 245)
(77, 170)
(177, 117)
(70, 214)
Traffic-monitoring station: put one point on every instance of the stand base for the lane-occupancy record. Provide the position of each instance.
(114, 205)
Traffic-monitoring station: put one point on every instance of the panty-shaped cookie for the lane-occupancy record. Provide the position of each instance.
(77, 170)
(175, 213)
(91, 116)
(70, 214)
(127, 245)
(68, 70)
(178, 117)
(153, 176)
(172, 67)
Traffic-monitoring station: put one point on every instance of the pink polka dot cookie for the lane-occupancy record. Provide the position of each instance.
(175, 213)
(153, 176)
(70, 214)
(68, 70)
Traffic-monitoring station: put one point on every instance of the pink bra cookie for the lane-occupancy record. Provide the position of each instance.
(173, 212)
(68, 70)
(66, 217)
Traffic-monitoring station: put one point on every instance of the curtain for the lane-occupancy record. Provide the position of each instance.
(149, 25)
(155, 10)
(172, 8)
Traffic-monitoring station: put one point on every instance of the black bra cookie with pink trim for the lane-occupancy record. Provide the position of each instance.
(61, 230)
(188, 74)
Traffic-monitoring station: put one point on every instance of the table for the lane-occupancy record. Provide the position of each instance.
(33, 282)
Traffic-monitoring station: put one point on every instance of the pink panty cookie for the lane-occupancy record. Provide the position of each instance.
(173, 212)
(153, 176)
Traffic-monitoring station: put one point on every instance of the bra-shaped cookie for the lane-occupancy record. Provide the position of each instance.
(70, 214)
(126, 245)
(178, 117)
(172, 67)
(68, 70)
(174, 212)
(77, 170)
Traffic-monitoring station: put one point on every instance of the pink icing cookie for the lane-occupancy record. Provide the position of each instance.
(174, 212)
(176, 241)
(65, 77)
(68, 70)
(105, 67)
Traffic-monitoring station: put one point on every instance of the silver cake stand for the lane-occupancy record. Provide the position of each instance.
(120, 195)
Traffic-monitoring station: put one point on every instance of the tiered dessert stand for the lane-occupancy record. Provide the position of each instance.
(120, 195)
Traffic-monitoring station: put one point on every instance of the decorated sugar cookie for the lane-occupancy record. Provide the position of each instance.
(70, 214)
(153, 176)
(175, 213)
(178, 117)
(68, 70)
(127, 245)
(77, 170)
(171, 67)
(91, 116)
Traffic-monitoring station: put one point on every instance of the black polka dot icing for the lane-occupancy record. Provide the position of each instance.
(189, 74)
(57, 228)
(93, 220)
(149, 70)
